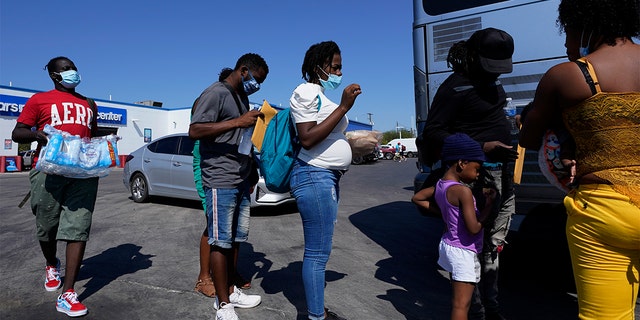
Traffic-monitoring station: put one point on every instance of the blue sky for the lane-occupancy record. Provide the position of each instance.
(169, 51)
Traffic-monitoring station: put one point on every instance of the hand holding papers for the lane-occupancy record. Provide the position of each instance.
(261, 124)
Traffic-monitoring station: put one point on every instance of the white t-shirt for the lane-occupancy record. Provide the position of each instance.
(334, 152)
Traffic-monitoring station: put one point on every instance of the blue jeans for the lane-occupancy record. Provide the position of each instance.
(317, 194)
(228, 212)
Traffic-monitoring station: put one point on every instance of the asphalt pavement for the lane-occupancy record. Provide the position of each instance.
(141, 261)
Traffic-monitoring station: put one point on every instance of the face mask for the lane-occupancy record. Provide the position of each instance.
(585, 50)
(333, 81)
(70, 78)
(250, 86)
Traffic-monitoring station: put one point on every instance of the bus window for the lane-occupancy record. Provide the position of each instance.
(434, 8)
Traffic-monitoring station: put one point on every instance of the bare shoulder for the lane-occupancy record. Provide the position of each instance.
(460, 191)
(560, 73)
(567, 83)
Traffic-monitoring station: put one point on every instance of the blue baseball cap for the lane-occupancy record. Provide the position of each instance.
(460, 146)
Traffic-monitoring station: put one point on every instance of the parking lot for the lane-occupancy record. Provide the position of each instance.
(142, 259)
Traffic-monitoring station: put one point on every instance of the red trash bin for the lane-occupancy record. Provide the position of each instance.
(123, 159)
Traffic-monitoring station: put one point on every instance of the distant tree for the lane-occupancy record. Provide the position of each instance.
(393, 134)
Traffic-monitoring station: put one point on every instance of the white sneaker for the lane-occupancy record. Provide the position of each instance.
(226, 313)
(240, 300)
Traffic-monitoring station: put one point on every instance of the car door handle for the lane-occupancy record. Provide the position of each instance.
(146, 160)
(177, 164)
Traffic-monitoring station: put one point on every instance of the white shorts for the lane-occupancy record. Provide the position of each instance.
(463, 264)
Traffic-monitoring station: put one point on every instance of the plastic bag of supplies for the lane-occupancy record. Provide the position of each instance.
(363, 142)
(74, 157)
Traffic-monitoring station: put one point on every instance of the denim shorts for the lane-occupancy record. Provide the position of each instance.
(63, 206)
(228, 211)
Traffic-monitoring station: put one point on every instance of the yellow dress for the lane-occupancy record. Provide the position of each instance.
(606, 129)
(603, 224)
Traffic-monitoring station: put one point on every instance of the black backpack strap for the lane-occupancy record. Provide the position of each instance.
(92, 104)
(235, 96)
(589, 75)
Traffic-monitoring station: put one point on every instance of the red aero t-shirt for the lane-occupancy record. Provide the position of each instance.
(61, 110)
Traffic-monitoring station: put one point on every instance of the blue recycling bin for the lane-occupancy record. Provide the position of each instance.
(10, 164)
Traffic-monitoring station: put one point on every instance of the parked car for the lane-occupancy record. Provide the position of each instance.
(164, 167)
(373, 156)
(27, 159)
(386, 152)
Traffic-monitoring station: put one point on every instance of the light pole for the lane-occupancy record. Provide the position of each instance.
(398, 127)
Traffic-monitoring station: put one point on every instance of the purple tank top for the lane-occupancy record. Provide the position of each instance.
(456, 234)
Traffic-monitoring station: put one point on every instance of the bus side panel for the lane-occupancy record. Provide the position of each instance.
(538, 46)
(532, 26)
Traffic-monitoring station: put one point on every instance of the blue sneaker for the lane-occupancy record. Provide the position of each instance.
(68, 303)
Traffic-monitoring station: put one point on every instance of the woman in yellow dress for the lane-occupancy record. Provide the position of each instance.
(596, 96)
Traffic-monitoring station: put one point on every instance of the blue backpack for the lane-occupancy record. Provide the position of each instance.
(280, 149)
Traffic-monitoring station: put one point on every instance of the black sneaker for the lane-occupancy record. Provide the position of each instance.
(332, 315)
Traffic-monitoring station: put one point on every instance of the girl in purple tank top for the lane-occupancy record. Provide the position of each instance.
(462, 239)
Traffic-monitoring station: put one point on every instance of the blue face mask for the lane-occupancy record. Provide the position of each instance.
(585, 50)
(333, 81)
(70, 78)
(250, 86)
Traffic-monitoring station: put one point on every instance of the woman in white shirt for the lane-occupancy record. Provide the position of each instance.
(324, 157)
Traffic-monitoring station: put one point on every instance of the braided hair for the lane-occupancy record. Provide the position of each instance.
(319, 54)
(458, 58)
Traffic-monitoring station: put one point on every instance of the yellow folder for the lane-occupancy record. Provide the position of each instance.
(517, 173)
(261, 124)
(517, 170)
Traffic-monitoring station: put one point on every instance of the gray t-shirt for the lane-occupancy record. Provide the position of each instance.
(222, 166)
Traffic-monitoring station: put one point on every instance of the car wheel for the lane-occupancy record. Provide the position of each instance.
(410, 154)
(388, 156)
(357, 160)
(139, 188)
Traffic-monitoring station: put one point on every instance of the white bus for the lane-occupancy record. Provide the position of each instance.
(539, 45)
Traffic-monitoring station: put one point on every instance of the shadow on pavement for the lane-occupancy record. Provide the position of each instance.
(194, 204)
(109, 265)
(540, 250)
(412, 242)
(287, 280)
(535, 272)
(272, 211)
(282, 209)
(281, 280)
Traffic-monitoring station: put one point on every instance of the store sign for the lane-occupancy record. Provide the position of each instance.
(11, 106)
(108, 115)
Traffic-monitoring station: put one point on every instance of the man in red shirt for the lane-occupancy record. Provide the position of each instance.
(63, 206)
